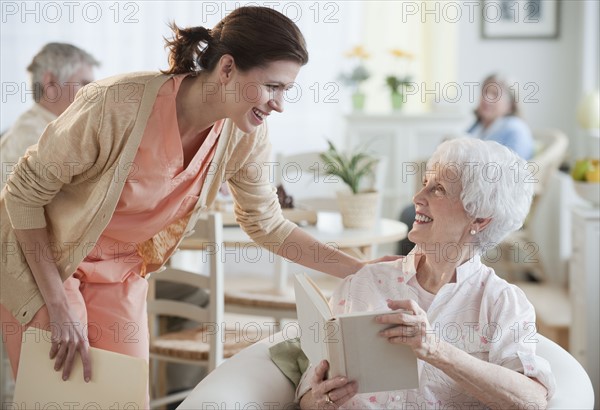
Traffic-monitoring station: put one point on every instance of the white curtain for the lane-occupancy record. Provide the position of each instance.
(425, 29)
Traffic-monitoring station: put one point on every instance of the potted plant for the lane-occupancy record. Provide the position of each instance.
(397, 83)
(357, 76)
(358, 206)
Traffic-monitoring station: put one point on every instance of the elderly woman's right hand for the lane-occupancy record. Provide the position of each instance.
(69, 337)
(332, 393)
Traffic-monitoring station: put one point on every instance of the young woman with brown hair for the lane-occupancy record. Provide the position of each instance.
(118, 179)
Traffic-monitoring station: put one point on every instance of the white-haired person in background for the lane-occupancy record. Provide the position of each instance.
(57, 72)
(474, 194)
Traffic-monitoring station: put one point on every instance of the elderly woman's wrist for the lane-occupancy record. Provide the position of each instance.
(438, 353)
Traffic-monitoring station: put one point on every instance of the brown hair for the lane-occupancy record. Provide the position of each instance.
(254, 36)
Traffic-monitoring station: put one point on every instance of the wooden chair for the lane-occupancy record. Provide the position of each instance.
(211, 341)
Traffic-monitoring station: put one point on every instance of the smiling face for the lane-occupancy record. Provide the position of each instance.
(440, 215)
(251, 96)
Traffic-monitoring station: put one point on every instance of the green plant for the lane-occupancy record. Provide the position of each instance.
(359, 73)
(396, 84)
(351, 168)
(356, 76)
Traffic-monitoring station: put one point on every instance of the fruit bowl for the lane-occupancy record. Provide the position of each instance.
(590, 191)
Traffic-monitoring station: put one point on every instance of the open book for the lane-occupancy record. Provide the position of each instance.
(118, 381)
(351, 343)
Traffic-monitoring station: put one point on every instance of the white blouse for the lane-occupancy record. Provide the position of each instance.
(481, 314)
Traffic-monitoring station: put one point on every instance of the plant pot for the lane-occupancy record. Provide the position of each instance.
(358, 101)
(397, 101)
(358, 210)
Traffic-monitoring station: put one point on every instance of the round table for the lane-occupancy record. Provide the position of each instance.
(329, 230)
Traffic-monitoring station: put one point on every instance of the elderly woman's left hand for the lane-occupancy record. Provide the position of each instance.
(413, 328)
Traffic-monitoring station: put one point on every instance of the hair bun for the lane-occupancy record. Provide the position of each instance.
(191, 36)
(197, 34)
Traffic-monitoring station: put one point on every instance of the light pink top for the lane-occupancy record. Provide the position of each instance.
(158, 190)
(480, 314)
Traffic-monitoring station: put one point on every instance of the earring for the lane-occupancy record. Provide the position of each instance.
(473, 232)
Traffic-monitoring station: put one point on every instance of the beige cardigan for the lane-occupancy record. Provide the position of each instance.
(71, 182)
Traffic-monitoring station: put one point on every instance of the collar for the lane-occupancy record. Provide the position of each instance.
(464, 272)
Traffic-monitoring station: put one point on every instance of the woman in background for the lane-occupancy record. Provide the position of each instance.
(498, 117)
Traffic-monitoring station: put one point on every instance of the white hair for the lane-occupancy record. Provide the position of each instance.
(495, 183)
(61, 59)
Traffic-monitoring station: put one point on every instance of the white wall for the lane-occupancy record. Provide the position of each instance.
(128, 36)
(552, 66)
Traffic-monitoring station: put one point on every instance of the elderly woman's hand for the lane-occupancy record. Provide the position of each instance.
(413, 328)
(332, 393)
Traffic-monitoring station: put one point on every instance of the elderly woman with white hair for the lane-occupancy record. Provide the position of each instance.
(473, 333)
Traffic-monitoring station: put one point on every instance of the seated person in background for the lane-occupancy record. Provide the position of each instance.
(498, 117)
(57, 71)
(497, 120)
(472, 331)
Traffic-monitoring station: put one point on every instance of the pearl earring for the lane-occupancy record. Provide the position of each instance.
(473, 232)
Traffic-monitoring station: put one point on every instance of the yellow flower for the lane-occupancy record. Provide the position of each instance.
(358, 52)
(396, 52)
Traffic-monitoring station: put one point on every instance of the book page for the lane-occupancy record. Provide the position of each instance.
(118, 381)
(313, 317)
(351, 344)
(376, 364)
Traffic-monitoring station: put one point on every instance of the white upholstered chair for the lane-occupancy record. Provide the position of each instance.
(251, 380)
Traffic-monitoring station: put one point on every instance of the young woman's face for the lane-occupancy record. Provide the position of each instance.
(252, 95)
(441, 219)
(495, 102)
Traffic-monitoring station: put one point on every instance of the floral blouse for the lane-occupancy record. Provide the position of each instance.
(480, 314)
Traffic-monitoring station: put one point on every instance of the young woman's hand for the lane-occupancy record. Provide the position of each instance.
(69, 339)
(386, 258)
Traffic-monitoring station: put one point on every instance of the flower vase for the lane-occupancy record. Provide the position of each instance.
(397, 101)
(358, 101)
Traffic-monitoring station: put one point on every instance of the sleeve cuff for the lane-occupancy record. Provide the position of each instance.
(537, 367)
(23, 217)
(304, 385)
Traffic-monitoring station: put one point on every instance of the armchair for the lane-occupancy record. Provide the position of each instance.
(251, 380)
